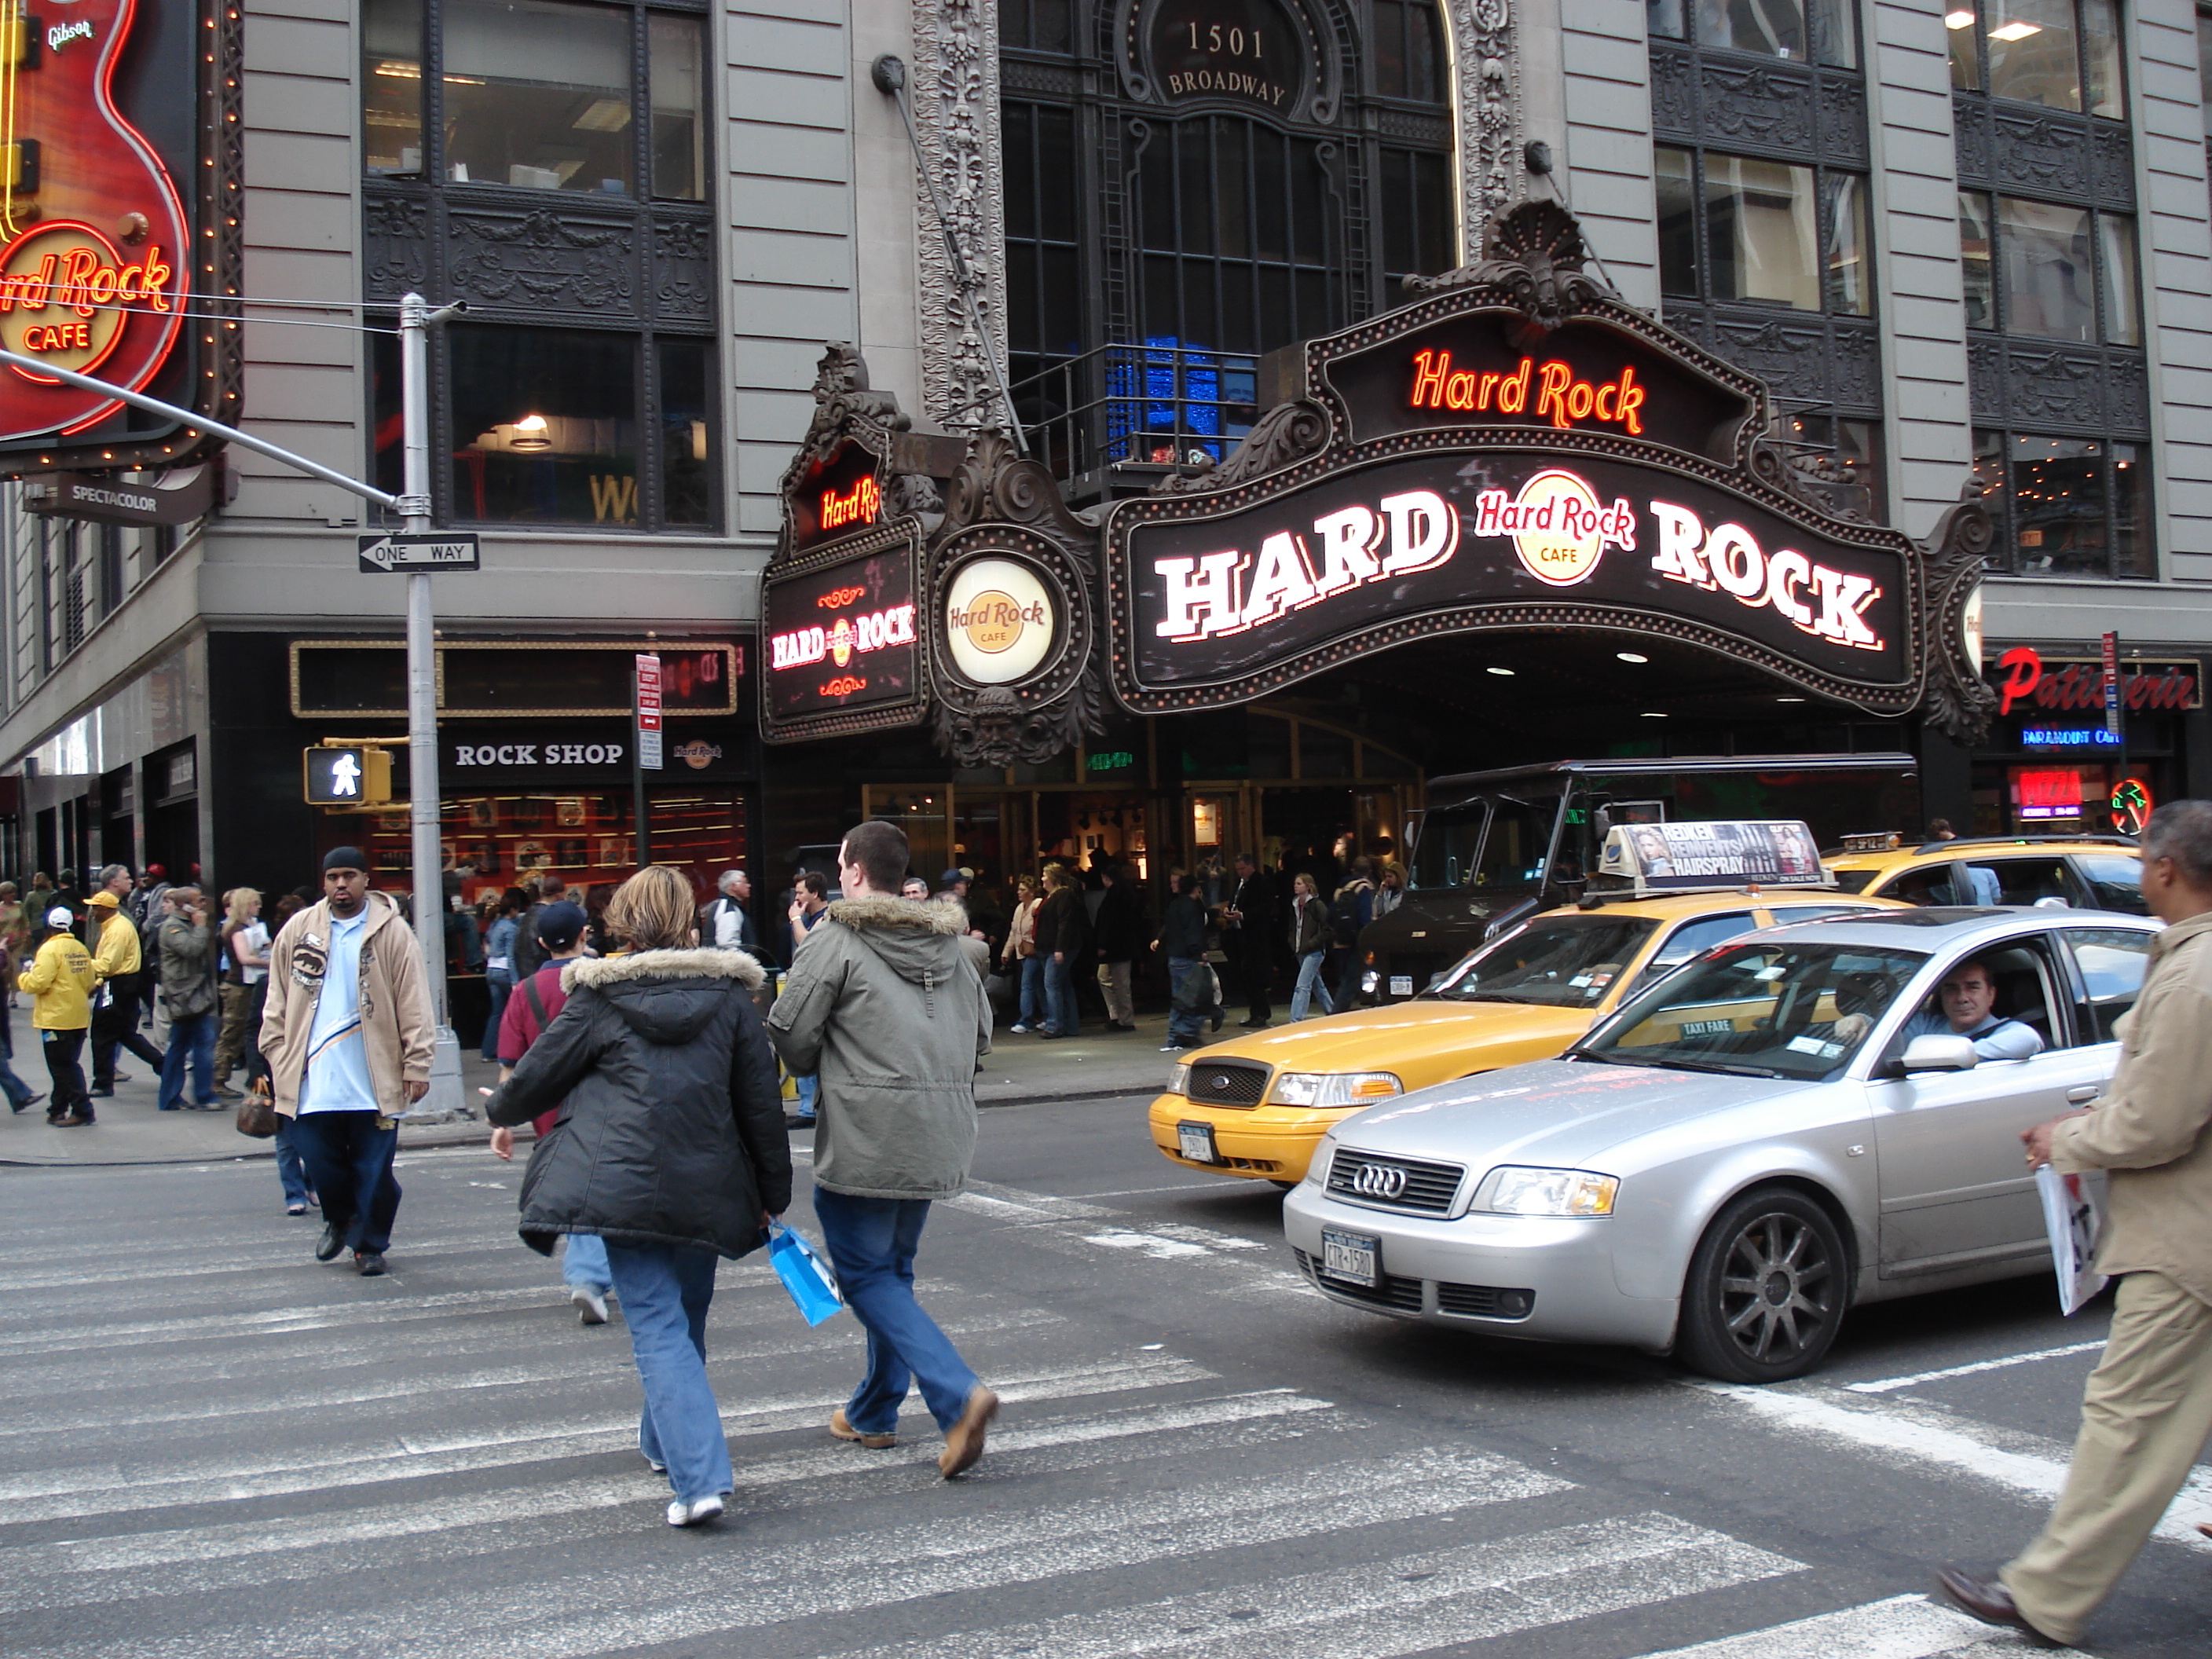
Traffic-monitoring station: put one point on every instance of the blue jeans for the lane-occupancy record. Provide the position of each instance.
(585, 1262)
(872, 1241)
(1309, 986)
(502, 987)
(805, 1096)
(348, 1163)
(1033, 1000)
(290, 1169)
(192, 1037)
(20, 1094)
(665, 1291)
(1181, 1027)
(1059, 997)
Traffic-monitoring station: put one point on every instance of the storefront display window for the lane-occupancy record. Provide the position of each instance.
(2068, 506)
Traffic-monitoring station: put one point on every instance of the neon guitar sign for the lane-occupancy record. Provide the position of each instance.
(93, 241)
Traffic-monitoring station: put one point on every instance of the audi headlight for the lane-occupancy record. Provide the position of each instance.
(1334, 1088)
(1179, 1080)
(1514, 1190)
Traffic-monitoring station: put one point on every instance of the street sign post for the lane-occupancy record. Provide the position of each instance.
(444, 550)
(645, 752)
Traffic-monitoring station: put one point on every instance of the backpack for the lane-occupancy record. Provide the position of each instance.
(1349, 912)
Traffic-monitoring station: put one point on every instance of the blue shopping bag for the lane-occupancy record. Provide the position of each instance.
(812, 1284)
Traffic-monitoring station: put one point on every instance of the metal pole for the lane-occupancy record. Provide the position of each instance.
(643, 841)
(423, 803)
(889, 73)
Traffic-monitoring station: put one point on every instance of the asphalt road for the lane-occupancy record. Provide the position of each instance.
(211, 1446)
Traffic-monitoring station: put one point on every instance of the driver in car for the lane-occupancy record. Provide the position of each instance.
(1967, 1006)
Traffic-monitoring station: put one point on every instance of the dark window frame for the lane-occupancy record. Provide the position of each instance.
(2004, 496)
(1981, 87)
(2001, 302)
(1823, 234)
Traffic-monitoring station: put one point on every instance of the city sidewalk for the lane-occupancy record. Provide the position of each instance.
(131, 1130)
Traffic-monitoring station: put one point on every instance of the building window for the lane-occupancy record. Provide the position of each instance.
(1791, 29)
(2061, 54)
(2068, 506)
(1734, 228)
(2049, 269)
(534, 95)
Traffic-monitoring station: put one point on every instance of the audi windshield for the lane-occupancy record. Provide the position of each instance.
(1780, 1009)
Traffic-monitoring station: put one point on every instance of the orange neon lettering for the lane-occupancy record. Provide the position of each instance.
(1561, 397)
(1459, 391)
(1513, 393)
(1430, 370)
(1551, 393)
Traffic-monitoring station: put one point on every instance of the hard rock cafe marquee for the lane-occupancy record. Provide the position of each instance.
(1517, 449)
(120, 236)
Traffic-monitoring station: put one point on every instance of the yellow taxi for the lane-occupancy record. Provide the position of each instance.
(1258, 1105)
(2084, 872)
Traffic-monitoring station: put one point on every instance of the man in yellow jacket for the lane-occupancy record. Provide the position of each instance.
(2147, 1407)
(61, 978)
(121, 963)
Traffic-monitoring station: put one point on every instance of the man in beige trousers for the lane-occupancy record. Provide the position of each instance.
(2148, 1409)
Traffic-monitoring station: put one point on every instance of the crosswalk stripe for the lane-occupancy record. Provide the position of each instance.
(587, 1611)
(232, 1553)
(1902, 1628)
(105, 1489)
(316, 1316)
(1405, 1605)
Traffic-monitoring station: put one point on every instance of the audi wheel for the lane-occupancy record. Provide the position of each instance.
(1767, 1290)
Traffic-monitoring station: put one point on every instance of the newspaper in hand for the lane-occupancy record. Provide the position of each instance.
(2076, 1222)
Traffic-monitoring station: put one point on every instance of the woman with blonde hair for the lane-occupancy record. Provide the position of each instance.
(1018, 956)
(669, 1145)
(245, 957)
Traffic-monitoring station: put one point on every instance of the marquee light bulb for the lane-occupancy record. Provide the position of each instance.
(1507, 672)
(1631, 656)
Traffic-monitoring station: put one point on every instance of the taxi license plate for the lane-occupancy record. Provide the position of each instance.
(1197, 1142)
(1402, 985)
(1355, 1258)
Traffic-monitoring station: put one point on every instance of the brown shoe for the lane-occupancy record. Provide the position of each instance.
(1989, 1601)
(842, 1430)
(68, 1120)
(963, 1441)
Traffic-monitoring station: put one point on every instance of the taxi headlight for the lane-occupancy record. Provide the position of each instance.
(1334, 1088)
(1515, 1189)
(1179, 1080)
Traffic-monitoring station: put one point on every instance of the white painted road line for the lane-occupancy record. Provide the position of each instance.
(1891, 1384)
(1903, 1627)
(1408, 1604)
(2026, 1464)
(591, 1609)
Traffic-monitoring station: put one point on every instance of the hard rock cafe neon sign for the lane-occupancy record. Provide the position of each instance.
(1560, 395)
(92, 237)
(862, 504)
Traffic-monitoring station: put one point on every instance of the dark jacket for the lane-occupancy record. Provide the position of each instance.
(885, 1008)
(1119, 922)
(188, 960)
(1183, 929)
(1306, 927)
(1062, 924)
(672, 1128)
(1255, 898)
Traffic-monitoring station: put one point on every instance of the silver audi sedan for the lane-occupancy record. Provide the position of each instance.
(1795, 1121)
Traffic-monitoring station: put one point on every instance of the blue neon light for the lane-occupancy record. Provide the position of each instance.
(2069, 737)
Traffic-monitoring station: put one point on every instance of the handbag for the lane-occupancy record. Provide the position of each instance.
(256, 1113)
(811, 1280)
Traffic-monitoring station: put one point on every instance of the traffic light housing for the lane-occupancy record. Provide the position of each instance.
(352, 776)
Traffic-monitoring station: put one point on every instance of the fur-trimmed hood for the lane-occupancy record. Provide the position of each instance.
(926, 914)
(694, 963)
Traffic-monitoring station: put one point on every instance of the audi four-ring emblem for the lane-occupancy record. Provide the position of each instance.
(1378, 1180)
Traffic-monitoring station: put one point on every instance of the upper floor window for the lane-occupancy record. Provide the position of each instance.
(2050, 270)
(1734, 228)
(2063, 54)
(1798, 30)
(535, 95)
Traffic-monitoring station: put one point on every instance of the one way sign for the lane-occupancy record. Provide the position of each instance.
(450, 551)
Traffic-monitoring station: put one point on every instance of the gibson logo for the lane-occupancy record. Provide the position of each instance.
(1560, 398)
(859, 505)
(62, 34)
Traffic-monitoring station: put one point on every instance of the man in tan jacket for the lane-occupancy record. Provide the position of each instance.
(348, 1033)
(2147, 1409)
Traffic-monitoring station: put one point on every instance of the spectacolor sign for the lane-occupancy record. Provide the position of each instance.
(1403, 547)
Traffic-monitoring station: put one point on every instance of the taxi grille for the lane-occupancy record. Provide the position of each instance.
(1403, 1294)
(1394, 1183)
(1227, 1083)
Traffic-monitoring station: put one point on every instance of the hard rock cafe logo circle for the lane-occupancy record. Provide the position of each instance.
(1001, 620)
(66, 291)
(696, 754)
(843, 641)
(1557, 525)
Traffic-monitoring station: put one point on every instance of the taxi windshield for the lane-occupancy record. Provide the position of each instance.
(1568, 962)
(1782, 1010)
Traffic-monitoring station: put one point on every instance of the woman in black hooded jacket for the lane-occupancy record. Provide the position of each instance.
(670, 1146)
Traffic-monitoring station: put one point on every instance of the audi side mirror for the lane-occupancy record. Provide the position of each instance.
(1939, 1053)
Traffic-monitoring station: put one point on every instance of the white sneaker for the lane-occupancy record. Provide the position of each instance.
(1017, 1031)
(591, 1305)
(696, 1513)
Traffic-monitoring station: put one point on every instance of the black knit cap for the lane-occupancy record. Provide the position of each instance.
(346, 858)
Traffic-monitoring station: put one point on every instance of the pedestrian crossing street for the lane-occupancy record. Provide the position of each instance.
(235, 1452)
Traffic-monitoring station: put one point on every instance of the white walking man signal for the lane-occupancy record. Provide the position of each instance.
(345, 775)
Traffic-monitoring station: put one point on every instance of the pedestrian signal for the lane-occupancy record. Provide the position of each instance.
(348, 777)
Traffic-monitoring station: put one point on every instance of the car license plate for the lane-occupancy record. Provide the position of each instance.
(1402, 985)
(1197, 1140)
(1356, 1258)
